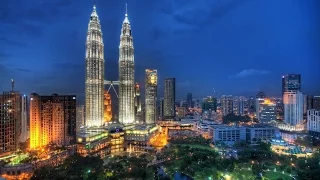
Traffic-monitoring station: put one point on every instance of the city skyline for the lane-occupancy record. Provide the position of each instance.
(61, 64)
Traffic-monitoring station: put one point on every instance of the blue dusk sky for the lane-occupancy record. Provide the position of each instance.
(237, 47)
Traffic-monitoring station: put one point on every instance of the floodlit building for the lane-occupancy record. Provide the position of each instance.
(293, 107)
(151, 96)
(189, 100)
(137, 103)
(52, 120)
(126, 74)
(107, 107)
(94, 85)
(266, 110)
(169, 109)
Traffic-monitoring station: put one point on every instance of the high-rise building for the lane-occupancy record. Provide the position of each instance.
(137, 103)
(151, 96)
(52, 120)
(24, 119)
(160, 108)
(293, 107)
(266, 110)
(169, 111)
(10, 121)
(291, 82)
(238, 105)
(79, 117)
(209, 104)
(107, 107)
(314, 121)
(316, 103)
(94, 85)
(189, 100)
(226, 104)
(251, 104)
(126, 74)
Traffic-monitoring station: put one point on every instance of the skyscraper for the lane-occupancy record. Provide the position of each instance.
(94, 85)
(291, 82)
(10, 121)
(151, 95)
(169, 111)
(79, 117)
(293, 107)
(238, 105)
(52, 120)
(126, 74)
(137, 103)
(189, 100)
(227, 104)
(266, 110)
(24, 119)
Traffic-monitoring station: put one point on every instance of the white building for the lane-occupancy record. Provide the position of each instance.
(265, 110)
(313, 120)
(293, 107)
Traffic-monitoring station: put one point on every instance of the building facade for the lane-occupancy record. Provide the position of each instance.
(151, 96)
(107, 107)
(80, 114)
(10, 121)
(291, 82)
(209, 104)
(169, 109)
(94, 84)
(238, 105)
(52, 120)
(293, 107)
(126, 74)
(266, 110)
(313, 121)
(137, 103)
(24, 134)
(226, 104)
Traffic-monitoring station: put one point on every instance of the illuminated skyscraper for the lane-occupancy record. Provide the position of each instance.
(291, 82)
(189, 100)
(137, 103)
(169, 108)
(94, 85)
(107, 107)
(52, 120)
(126, 74)
(151, 96)
(293, 107)
(79, 117)
(227, 104)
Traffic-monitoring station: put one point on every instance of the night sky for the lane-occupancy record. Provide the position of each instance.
(237, 47)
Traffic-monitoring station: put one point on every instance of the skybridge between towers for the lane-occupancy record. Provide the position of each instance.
(111, 85)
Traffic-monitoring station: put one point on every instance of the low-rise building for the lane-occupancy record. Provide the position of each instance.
(231, 134)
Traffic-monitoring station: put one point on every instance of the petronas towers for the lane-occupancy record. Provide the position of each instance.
(94, 84)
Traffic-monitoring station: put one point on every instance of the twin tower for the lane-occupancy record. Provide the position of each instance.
(94, 83)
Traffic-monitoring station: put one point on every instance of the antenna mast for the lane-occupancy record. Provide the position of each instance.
(12, 85)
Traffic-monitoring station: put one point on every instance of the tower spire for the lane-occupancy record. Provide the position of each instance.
(126, 10)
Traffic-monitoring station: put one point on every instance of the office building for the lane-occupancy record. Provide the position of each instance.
(316, 103)
(137, 103)
(226, 104)
(52, 120)
(94, 84)
(251, 104)
(189, 100)
(10, 121)
(209, 104)
(260, 95)
(266, 110)
(232, 134)
(151, 96)
(24, 134)
(80, 117)
(313, 122)
(126, 74)
(293, 107)
(291, 82)
(107, 113)
(160, 108)
(238, 105)
(169, 110)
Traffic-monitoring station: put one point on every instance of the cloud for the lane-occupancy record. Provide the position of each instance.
(250, 72)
